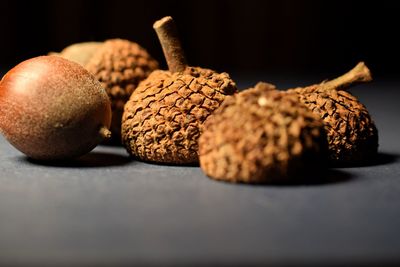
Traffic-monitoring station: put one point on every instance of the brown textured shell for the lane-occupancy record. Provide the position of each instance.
(352, 134)
(162, 119)
(120, 65)
(261, 136)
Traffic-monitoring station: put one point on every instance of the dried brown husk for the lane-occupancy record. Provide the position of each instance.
(352, 134)
(261, 135)
(162, 119)
(120, 65)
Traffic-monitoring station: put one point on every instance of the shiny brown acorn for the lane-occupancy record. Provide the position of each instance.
(53, 109)
(162, 119)
(262, 135)
(352, 134)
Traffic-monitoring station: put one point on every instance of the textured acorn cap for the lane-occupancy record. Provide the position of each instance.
(352, 134)
(261, 135)
(120, 65)
(162, 119)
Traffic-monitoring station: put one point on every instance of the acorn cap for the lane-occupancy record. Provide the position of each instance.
(261, 135)
(352, 134)
(120, 65)
(162, 119)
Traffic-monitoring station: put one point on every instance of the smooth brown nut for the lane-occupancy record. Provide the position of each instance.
(80, 52)
(52, 109)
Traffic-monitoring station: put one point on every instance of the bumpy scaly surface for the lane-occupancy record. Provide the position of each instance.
(352, 135)
(120, 65)
(261, 137)
(162, 119)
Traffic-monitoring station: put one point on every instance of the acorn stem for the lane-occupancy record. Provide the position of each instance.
(171, 45)
(104, 133)
(359, 74)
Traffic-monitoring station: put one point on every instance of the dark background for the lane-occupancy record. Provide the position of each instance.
(285, 37)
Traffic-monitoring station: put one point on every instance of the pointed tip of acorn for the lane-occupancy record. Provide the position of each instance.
(105, 133)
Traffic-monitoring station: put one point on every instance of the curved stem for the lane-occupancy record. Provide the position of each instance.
(359, 74)
(171, 45)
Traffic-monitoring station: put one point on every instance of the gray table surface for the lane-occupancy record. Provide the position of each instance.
(107, 210)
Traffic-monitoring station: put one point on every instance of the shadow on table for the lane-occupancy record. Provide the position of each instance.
(315, 178)
(167, 164)
(327, 177)
(91, 160)
(381, 158)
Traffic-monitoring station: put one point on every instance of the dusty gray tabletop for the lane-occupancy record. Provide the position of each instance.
(105, 209)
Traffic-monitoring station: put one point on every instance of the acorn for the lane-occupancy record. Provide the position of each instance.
(53, 109)
(80, 52)
(262, 135)
(352, 134)
(162, 119)
(119, 65)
